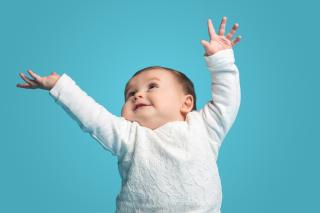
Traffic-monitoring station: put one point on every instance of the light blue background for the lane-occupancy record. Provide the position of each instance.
(269, 161)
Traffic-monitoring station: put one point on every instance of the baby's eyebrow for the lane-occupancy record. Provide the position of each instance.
(153, 78)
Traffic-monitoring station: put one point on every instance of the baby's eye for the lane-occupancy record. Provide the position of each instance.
(152, 85)
(131, 93)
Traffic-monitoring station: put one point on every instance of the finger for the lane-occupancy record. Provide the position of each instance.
(233, 30)
(26, 79)
(205, 44)
(26, 86)
(236, 40)
(212, 32)
(222, 28)
(34, 75)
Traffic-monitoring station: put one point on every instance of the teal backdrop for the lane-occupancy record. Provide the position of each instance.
(269, 161)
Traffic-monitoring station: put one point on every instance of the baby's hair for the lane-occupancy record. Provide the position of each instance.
(187, 85)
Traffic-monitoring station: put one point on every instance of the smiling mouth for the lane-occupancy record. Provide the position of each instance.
(139, 106)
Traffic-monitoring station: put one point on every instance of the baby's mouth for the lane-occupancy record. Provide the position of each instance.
(139, 106)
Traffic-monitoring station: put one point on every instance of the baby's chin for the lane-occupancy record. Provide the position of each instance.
(147, 122)
(141, 121)
(142, 116)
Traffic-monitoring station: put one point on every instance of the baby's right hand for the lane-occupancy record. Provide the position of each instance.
(46, 83)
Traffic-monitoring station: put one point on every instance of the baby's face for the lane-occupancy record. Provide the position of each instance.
(153, 98)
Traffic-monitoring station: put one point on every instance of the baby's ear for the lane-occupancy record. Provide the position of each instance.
(187, 104)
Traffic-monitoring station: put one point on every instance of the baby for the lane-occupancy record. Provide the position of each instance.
(167, 150)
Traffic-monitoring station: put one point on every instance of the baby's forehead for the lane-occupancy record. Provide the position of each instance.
(157, 72)
(154, 74)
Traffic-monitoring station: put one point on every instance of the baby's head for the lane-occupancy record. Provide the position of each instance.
(157, 95)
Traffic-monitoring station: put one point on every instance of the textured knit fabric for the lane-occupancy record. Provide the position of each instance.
(172, 168)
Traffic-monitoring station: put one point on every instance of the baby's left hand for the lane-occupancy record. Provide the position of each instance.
(219, 42)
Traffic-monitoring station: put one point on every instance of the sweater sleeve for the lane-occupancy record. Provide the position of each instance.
(220, 113)
(110, 131)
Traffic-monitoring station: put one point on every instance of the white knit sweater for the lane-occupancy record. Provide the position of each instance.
(174, 167)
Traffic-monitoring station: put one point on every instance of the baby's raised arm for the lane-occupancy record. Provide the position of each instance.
(220, 113)
(110, 131)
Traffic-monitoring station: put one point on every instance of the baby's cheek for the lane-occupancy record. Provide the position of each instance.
(123, 111)
(126, 113)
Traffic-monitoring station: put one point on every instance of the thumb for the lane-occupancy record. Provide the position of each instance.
(205, 44)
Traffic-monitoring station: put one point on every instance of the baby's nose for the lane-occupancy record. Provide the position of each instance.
(138, 95)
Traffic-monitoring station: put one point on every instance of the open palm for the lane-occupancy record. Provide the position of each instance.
(46, 82)
(219, 41)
